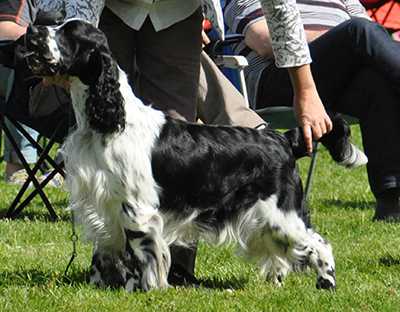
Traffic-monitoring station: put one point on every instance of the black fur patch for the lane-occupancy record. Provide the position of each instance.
(223, 171)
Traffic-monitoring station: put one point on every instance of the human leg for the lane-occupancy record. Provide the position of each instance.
(13, 163)
(169, 64)
(275, 90)
(10, 30)
(219, 101)
(371, 98)
(122, 41)
(338, 55)
(347, 48)
(163, 68)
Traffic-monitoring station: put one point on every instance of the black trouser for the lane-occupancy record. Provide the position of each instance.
(163, 66)
(356, 67)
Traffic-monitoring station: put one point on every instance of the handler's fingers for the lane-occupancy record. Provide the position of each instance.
(307, 133)
(322, 126)
(329, 125)
(316, 131)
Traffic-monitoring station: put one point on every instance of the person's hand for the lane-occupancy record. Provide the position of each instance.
(60, 81)
(311, 116)
(205, 38)
(310, 113)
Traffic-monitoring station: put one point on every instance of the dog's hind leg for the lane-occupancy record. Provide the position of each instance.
(281, 241)
(320, 255)
(150, 253)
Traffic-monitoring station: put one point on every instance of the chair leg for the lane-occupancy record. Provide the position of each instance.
(13, 211)
(311, 170)
(16, 208)
(39, 147)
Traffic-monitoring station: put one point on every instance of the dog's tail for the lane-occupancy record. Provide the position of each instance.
(297, 143)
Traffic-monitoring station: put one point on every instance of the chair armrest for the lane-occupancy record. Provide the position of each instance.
(231, 61)
(216, 51)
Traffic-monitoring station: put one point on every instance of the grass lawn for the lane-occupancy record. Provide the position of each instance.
(34, 253)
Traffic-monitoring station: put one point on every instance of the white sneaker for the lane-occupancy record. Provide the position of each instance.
(356, 158)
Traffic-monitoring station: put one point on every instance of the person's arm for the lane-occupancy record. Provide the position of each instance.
(309, 110)
(11, 30)
(257, 38)
(290, 49)
(356, 9)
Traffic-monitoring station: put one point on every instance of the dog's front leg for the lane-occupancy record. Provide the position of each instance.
(149, 251)
(111, 269)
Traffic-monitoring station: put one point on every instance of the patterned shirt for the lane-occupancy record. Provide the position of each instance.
(240, 14)
(85, 9)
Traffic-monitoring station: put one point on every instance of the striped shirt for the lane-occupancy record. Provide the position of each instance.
(315, 14)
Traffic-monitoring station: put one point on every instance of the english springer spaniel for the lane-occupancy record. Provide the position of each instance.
(140, 180)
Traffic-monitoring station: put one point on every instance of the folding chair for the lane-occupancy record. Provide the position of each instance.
(15, 109)
(278, 117)
(384, 12)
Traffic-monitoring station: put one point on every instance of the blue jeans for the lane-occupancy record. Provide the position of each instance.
(26, 148)
(356, 67)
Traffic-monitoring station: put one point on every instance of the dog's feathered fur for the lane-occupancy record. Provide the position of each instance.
(140, 181)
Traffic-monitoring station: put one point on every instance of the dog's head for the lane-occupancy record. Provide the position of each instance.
(80, 50)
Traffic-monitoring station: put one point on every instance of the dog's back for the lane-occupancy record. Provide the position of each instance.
(221, 171)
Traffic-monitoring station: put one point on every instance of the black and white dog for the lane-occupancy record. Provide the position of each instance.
(140, 181)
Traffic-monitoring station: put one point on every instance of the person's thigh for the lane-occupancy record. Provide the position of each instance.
(333, 68)
(169, 65)
(219, 101)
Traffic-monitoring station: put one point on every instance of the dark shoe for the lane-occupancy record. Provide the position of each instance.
(178, 276)
(388, 206)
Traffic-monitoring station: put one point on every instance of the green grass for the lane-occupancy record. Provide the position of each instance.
(34, 253)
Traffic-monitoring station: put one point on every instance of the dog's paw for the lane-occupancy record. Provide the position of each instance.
(275, 279)
(326, 283)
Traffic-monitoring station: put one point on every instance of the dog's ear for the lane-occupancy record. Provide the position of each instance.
(104, 106)
(89, 67)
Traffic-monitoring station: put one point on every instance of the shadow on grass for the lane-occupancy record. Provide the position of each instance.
(214, 283)
(348, 204)
(39, 278)
(389, 261)
(39, 214)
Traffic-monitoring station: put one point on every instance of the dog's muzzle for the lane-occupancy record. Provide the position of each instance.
(37, 52)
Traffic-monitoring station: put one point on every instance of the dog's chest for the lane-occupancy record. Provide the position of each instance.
(120, 168)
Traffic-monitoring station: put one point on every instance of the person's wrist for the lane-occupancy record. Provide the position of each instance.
(306, 90)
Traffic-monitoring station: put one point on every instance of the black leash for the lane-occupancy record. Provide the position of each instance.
(74, 239)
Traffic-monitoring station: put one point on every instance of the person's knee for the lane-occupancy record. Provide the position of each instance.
(363, 25)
